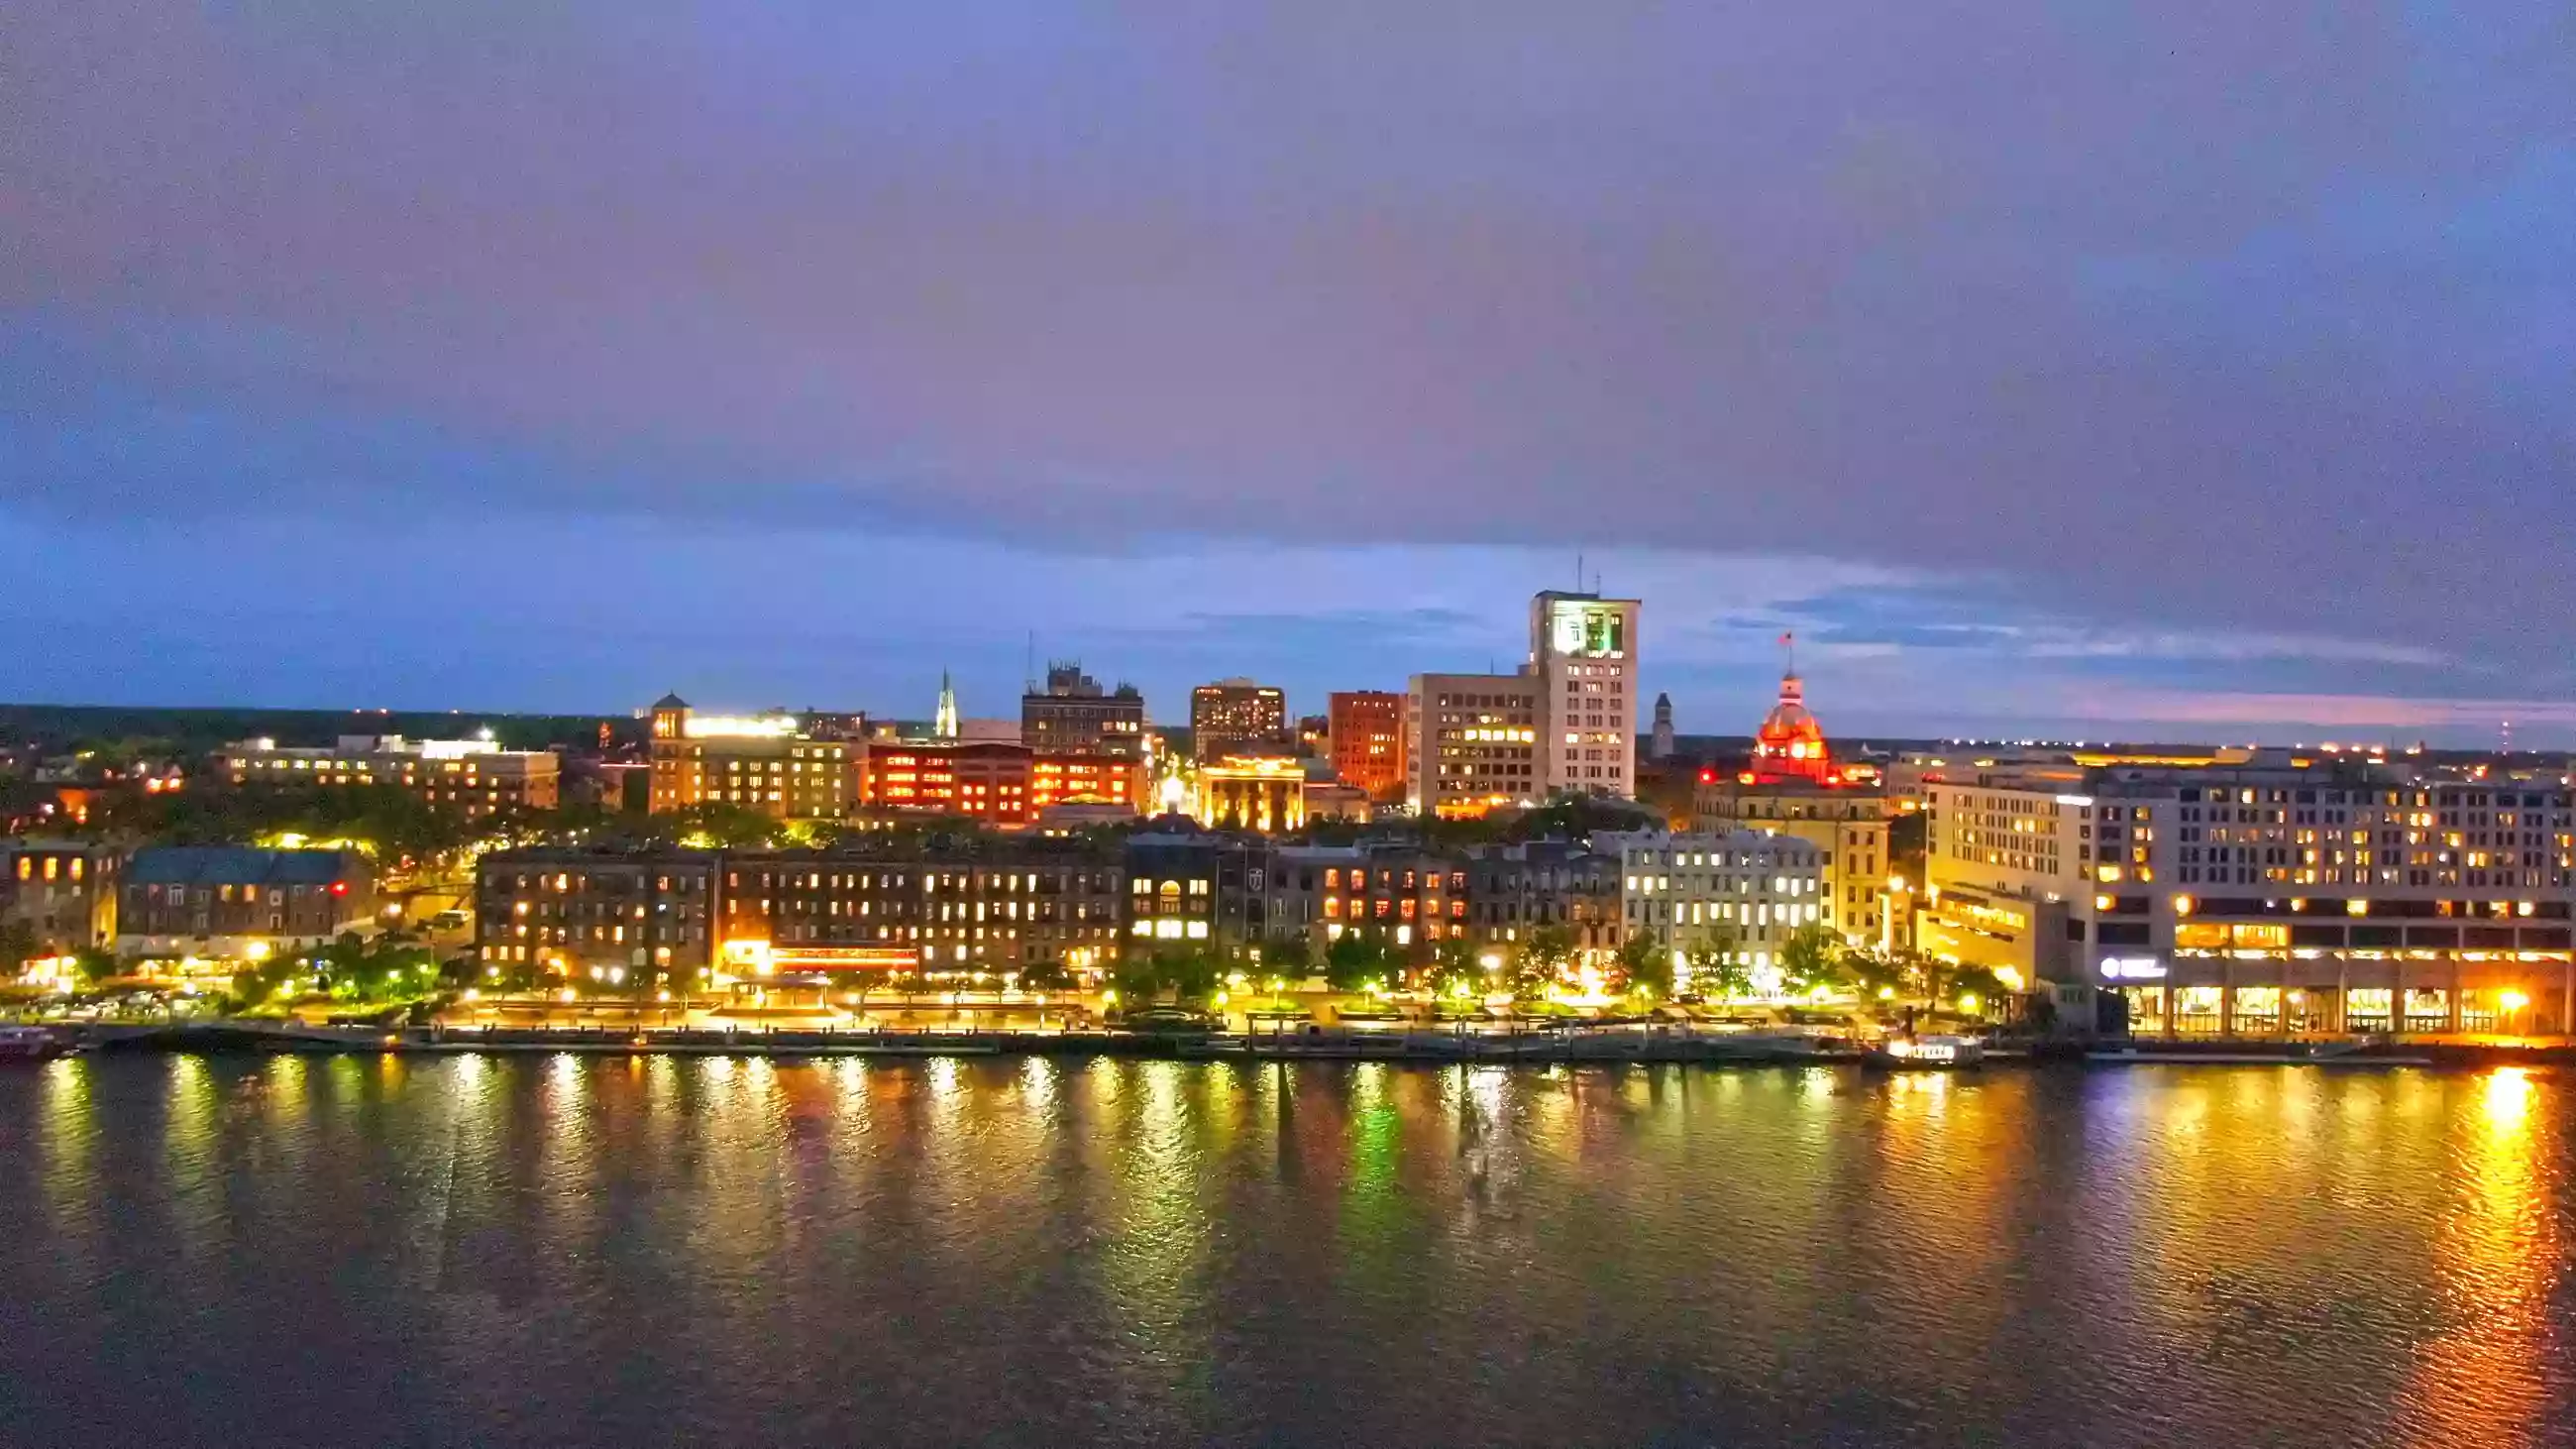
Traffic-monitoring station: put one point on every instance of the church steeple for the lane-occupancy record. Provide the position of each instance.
(945, 726)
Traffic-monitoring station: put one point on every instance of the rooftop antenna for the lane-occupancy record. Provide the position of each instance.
(1029, 666)
(1788, 654)
(1578, 571)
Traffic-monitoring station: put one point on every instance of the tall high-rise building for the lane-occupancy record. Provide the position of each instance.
(1074, 716)
(1368, 740)
(1662, 748)
(1583, 653)
(1238, 717)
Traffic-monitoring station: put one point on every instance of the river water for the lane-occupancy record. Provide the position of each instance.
(592, 1251)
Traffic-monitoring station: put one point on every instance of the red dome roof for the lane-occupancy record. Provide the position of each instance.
(1791, 742)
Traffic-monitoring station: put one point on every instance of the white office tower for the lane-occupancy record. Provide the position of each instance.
(1583, 649)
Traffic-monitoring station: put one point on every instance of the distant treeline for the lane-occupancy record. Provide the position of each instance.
(65, 727)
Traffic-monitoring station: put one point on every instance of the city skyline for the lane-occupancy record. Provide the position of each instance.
(2225, 404)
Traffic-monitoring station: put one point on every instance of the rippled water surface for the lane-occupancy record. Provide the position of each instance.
(565, 1251)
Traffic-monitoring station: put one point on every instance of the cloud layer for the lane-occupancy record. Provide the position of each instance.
(2190, 340)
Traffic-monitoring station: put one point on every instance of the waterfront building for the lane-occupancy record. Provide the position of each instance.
(832, 913)
(1366, 730)
(1006, 785)
(1583, 653)
(1238, 717)
(2292, 892)
(1514, 890)
(1073, 716)
(596, 915)
(1474, 743)
(763, 763)
(476, 777)
(1189, 884)
(1395, 893)
(1793, 785)
(61, 895)
(1743, 891)
(1263, 795)
(238, 903)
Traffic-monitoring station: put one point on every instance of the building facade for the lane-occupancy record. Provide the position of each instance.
(238, 903)
(474, 777)
(1366, 730)
(1742, 892)
(766, 764)
(1074, 716)
(1514, 890)
(60, 895)
(1583, 650)
(1238, 717)
(1005, 785)
(596, 915)
(2267, 898)
(832, 913)
(1475, 743)
(1263, 795)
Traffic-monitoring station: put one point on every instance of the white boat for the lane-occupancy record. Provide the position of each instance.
(1930, 1052)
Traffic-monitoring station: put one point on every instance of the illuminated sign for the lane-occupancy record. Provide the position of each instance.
(2132, 968)
(1587, 630)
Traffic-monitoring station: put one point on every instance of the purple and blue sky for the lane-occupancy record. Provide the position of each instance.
(2186, 370)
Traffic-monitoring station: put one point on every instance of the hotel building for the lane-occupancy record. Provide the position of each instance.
(1367, 734)
(1238, 717)
(476, 777)
(761, 763)
(1583, 652)
(1073, 716)
(2282, 895)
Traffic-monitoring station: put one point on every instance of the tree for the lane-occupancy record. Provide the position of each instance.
(1716, 970)
(1644, 966)
(18, 946)
(1871, 973)
(1353, 960)
(1812, 958)
(1542, 961)
(1454, 970)
(1045, 976)
(1973, 983)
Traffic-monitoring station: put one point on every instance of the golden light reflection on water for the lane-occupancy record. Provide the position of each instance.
(2497, 1257)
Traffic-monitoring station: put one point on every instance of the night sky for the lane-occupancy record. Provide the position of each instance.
(2187, 370)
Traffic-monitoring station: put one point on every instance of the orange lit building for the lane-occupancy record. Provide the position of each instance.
(1001, 784)
(1367, 732)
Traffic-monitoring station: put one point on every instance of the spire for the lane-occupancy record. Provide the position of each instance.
(945, 726)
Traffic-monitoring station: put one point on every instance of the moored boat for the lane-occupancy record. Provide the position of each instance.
(30, 1044)
(1929, 1053)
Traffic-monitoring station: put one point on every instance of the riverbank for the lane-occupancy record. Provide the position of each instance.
(1534, 1046)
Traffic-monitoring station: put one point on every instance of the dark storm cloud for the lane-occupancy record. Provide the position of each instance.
(2166, 322)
